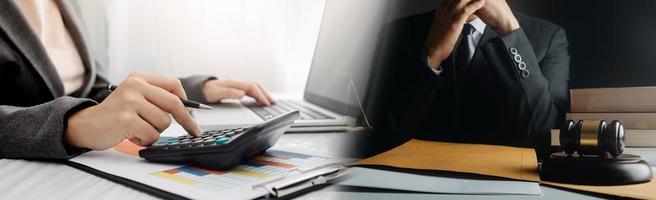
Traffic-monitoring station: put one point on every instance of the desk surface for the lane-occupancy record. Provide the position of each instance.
(23, 179)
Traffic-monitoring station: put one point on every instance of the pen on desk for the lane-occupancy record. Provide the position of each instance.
(187, 103)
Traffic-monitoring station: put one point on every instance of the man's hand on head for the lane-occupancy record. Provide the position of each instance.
(498, 15)
(447, 26)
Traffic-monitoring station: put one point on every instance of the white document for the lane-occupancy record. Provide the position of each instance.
(240, 182)
(383, 179)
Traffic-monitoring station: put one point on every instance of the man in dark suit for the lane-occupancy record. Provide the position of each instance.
(472, 71)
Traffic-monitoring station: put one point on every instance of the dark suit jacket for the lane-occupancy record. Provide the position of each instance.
(491, 101)
(33, 108)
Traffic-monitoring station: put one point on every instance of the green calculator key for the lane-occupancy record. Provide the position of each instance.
(222, 140)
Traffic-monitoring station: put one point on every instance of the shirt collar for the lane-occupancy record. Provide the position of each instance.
(478, 24)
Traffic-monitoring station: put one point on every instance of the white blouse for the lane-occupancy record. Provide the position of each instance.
(47, 22)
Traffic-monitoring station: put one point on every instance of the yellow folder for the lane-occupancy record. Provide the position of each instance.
(492, 160)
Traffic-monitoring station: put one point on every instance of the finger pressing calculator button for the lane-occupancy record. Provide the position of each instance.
(222, 140)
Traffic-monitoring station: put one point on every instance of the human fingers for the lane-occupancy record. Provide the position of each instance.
(154, 116)
(142, 133)
(469, 9)
(258, 94)
(251, 89)
(228, 93)
(167, 83)
(268, 96)
(171, 104)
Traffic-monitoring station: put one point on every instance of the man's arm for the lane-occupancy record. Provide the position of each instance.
(420, 84)
(538, 90)
(402, 86)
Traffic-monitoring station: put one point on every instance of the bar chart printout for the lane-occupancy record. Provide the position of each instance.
(272, 164)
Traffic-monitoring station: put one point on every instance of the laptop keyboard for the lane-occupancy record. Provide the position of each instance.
(284, 106)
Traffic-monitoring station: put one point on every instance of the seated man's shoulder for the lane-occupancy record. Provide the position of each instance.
(535, 24)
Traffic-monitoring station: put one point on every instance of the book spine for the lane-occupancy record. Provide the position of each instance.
(630, 99)
(632, 121)
(633, 138)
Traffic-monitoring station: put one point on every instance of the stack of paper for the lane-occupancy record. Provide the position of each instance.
(515, 169)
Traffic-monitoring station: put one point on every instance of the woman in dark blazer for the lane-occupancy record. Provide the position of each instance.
(41, 118)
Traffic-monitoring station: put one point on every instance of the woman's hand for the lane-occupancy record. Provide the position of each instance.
(217, 90)
(138, 110)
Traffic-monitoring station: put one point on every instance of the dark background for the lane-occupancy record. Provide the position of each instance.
(612, 42)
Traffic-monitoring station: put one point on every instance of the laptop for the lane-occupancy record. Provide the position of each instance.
(338, 76)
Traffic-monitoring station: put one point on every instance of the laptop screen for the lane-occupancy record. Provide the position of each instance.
(344, 54)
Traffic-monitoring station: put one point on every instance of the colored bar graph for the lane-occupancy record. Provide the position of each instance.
(272, 163)
(215, 172)
(193, 171)
(175, 178)
(171, 171)
(253, 164)
(276, 153)
(250, 173)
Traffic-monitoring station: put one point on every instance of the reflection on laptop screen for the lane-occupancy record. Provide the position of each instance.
(344, 53)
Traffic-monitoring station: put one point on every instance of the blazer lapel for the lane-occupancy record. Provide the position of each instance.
(477, 72)
(18, 30)
(72, 24)
(479, 67)
(488, 35)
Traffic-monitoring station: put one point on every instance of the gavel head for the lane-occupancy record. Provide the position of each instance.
(592, 137)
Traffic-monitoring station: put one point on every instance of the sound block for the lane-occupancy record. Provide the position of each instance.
(621, 170)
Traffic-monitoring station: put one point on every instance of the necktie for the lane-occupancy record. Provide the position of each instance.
(466, 47)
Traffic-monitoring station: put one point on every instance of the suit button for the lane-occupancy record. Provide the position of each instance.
(518, 58)
(513, 50)
(525, 73)
(521, 66)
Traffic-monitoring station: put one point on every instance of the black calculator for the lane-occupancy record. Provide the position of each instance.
(221, 149)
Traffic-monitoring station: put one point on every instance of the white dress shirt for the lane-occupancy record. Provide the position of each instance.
(47, 22)
(479, 27)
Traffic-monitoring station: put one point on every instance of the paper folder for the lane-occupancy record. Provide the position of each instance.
(492, 160)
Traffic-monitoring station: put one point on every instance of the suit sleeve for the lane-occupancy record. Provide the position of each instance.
(403, 89)
(538, 90)
(422, 85)
(193, 86)
(37, 131)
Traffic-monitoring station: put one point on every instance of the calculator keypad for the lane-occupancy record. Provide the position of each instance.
(208, 138)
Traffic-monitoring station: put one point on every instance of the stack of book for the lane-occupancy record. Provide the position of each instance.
(635, 107)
